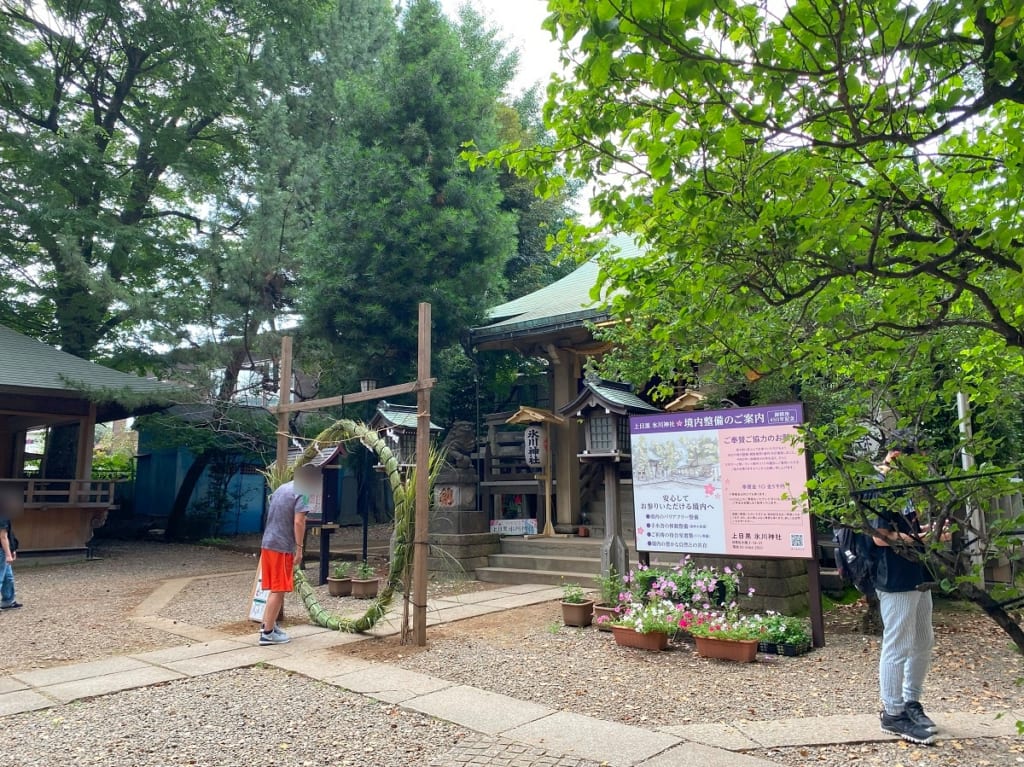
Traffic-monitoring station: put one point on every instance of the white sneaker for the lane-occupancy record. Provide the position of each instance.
(275, 636)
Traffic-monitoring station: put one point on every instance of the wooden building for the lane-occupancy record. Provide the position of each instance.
(42, 387)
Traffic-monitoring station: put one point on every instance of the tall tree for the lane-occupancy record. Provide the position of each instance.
(830, 194)
(120, 125)
(404, 220)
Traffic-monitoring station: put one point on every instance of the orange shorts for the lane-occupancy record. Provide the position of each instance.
(277, 570)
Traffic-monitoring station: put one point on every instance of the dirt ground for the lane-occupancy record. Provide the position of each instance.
(83, 611)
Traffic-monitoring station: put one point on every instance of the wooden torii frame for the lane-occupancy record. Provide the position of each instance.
(422, 387)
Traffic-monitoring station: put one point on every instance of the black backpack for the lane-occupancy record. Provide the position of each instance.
(855, 558)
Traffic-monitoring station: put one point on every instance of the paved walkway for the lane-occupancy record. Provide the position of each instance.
(512, 733)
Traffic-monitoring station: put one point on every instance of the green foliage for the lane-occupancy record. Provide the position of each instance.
(611, 587)
(784, 629)
(365, 571)
(341, 569)
(573, 594)
(829, 198)
(121, 126)
(405, 504)
(116, 463)
(214, 542)
(403, 219)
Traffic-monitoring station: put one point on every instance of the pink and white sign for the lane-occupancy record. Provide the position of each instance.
(726, 482)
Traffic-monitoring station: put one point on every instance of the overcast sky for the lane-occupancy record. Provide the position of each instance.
(520, 22)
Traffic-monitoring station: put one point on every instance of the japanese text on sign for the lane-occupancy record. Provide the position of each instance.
(721, 482)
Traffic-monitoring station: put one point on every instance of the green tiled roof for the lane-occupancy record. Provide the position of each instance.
(622, 395)
(617, 397)
(567, 300)
(402, 416)
(31, 364)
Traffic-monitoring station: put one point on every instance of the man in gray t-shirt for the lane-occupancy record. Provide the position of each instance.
(282, 548)
(280, 533)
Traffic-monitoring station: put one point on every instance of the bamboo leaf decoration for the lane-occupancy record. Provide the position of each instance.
(404, 496)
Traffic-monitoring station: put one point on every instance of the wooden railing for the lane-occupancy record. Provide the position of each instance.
(69, 492)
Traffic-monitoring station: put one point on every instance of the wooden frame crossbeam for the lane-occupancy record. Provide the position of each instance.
(350, 399)
(421, 386)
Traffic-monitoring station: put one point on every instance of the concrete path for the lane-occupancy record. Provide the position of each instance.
(513, 733)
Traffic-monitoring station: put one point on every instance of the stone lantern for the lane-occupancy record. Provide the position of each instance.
(604, 408)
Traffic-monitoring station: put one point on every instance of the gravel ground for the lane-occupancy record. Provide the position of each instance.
(80, 610)
(524, 653)
(223, 603)
(528, 654)
(255, 716)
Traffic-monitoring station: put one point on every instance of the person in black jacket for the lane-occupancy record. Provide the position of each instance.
(906, 609)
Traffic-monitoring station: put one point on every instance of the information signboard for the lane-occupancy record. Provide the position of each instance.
(728, 482)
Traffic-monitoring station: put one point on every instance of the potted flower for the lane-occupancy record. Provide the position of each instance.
(646, 626)
(784, 635)
(577, 609)
(613, 594)
(724, 635)
(339, 582)
(365, 582)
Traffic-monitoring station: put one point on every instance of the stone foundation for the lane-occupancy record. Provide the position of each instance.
(779, 584)
(453, 554)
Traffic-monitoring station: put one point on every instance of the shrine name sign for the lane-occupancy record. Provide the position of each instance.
(728, 482)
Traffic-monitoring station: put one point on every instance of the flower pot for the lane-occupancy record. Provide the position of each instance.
(740, 650)
(609, 612)
(788, 649)
(652, 640)
(339, 587)
(365, 588)
(578, 613)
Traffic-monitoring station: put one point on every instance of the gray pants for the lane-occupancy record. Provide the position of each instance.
(907, 641)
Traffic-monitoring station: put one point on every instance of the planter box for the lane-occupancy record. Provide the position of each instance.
(740, 650)
(339, 587)
(609, 612)
(365, 589)
(785, 648)
(578, 613)
(627, 637)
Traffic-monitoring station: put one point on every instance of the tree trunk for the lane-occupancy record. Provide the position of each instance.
(177, 528)
(995, 611)
(61, 459)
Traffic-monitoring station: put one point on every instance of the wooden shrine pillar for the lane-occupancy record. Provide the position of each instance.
(86, 441)
(566, 442)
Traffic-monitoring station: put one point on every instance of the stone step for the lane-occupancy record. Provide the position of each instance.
(583, 565)
(553, 547)
(512, 575)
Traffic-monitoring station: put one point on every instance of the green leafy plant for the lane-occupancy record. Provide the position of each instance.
(612, 588)
(723, 625)
(703, 588)
(341, 569)
(365, 571)
(784, 629)
(659, 615)
(573, 594)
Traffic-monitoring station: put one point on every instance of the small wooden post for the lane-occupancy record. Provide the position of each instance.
(285, 398)
(421, 540)
(549, 528)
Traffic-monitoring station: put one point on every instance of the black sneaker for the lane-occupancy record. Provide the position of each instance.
(902, 725)
(915, 712)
